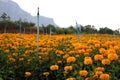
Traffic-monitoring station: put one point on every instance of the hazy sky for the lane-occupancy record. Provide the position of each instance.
(100, 13)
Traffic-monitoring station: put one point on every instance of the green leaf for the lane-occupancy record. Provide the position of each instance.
(1, 78)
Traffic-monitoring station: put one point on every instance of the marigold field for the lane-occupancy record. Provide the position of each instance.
(60, 57)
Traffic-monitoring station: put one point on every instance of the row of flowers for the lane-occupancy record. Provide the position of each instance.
(60, 57)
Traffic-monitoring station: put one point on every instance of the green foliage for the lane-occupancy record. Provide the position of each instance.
(88, 29)
(28, 27)
(105, 31)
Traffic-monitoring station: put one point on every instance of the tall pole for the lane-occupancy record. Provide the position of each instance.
(20, 25)
(119, 31)
(50, 31)
(114, 35)
(38, 31)
(77, 29)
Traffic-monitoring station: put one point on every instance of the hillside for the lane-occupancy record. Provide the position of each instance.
(15, 13)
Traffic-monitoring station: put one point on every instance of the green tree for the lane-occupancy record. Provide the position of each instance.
(4, 21)
(60, 30)
(70, 30)
(105, 30)
(89, 29)
(50, 27)
(27, 27)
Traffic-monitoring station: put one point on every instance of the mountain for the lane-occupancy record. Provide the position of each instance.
(15, 12)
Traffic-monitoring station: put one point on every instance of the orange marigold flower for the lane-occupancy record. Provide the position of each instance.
(105, 54)
(83, 73)
(104, 77)
(7, 51)
(65, 56)
(71, 78)
(113, 56)
(95, 77)
(71, 59)
(97, 45)
(87, 60)
(12, 59)
(88, 50)
(98, 57)
(59, 52)
(100, 69)
(27, 74)
(116, 47)
(68, 68)
(111, 50)
(54, 67)
(105, 61)
(98, 73)
(102, 50)
(72, 52)
(86, 54)
(43, 49)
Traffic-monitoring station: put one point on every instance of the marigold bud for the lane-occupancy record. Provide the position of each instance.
(27, 74)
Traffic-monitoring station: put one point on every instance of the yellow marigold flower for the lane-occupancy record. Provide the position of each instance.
(28, 61)
(15, 54)
(71, 59)
(12, 59)
(54, 67)
(68, 68)
(77, 56)
(87, 78)
(83, 73)
(104, 77)
(65, 73)
(113, 56)
(21, 59)
(105, 61)
(100, 69)
(68, 49)
(71, 78)
(98, 57)
(46, 73)
(59, 62)
(87, 60)
(27, 74)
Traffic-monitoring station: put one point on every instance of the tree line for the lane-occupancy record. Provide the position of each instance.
(8, 26)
